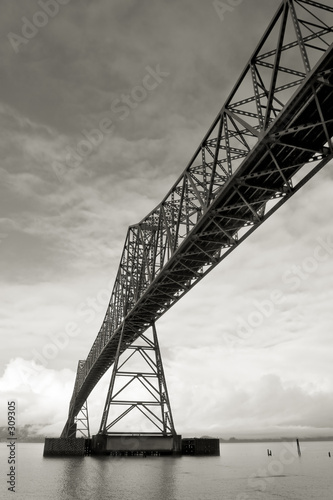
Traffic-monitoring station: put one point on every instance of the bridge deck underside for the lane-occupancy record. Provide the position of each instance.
(278, 155)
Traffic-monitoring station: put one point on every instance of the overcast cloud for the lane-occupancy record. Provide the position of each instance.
(64, 219)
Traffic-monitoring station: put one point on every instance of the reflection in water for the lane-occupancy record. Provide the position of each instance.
(130, 478)
(126, 477)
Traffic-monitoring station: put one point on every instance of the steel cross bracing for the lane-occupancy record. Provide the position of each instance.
(153, 401)
(277, 120)
(81, 423)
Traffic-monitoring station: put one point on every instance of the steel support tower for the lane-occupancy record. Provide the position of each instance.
(154, 405)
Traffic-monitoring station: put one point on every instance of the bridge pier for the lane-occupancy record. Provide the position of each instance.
(131, 445)
(64, 447)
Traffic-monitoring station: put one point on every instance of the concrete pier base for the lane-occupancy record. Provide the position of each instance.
(130, 445)
(62, 447)
(135, 445)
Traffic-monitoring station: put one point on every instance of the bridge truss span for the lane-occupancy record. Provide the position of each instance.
(273, 133)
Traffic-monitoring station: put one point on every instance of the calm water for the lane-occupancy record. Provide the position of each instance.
(242, 472)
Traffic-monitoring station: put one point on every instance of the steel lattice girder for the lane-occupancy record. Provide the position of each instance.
(277, 119)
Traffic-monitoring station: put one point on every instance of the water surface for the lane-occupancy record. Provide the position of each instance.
(242, 472)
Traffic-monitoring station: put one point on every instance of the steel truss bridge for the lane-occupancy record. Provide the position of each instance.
(272, 135)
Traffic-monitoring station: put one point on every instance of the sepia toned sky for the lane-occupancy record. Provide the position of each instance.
(102, 106)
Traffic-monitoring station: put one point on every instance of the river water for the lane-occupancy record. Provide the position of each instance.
(242, 472)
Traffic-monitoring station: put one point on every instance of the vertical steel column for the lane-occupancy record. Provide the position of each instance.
(164, 396)
(111, 386)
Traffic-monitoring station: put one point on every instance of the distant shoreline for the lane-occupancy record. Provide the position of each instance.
(275, 440)
(222, 441)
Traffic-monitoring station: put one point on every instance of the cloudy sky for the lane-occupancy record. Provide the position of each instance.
(248, 351)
